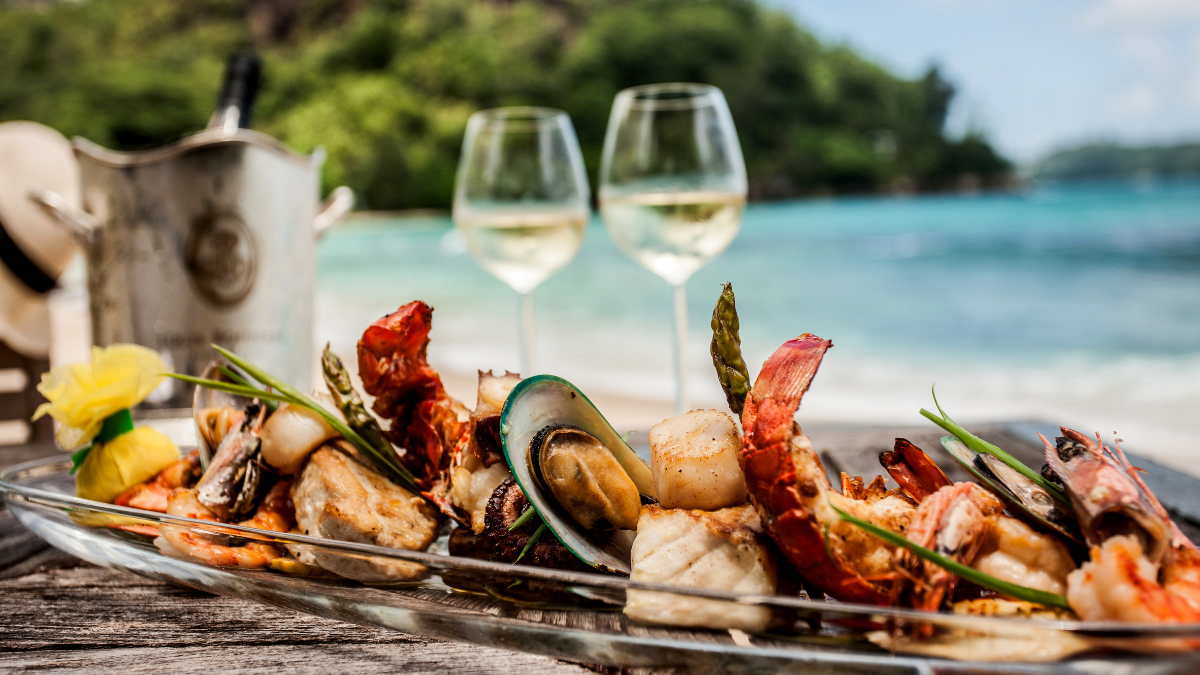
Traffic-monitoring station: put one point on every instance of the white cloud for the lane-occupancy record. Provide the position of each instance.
(1191, 80)
(1135, 102)
(1161, 38)
(1126, 14)
(1150, 50)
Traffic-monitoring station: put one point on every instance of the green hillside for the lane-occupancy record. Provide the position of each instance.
(1108, 159)
(387, 85)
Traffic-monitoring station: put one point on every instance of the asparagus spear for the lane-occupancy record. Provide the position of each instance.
(351, 404)
(726, 349)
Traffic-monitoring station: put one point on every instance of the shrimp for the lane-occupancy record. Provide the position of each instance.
(426, 421)
(274, 514)
(954, 521)
(913, 470)
(1014, 552)
(789, 487)
(152, 495)
(1008, 549)
(1142, 567)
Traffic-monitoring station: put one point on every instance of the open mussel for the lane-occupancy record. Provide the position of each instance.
(585, 478)
(215, 413)
(576, 471)
(1029, 500)
(234, 480)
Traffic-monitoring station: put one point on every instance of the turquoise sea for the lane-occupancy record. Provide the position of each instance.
(1076, 303)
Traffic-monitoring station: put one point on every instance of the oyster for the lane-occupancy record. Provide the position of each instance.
(1028, 499)
(582, 479)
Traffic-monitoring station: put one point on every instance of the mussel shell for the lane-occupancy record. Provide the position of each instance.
(232, 483)
(1029, 500)
(545, 400)
(584, 478)
(207, 402)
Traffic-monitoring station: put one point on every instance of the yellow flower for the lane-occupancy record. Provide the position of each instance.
(82, 395)
(123, 462)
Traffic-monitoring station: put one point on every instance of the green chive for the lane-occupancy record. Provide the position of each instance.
(979, 445)
(236, 389)
(525, 517)
(236, 378)
(533, 539)
(969, 573)
(287, 394)
(382, 460)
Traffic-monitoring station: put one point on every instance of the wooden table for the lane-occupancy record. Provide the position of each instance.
(61, 613)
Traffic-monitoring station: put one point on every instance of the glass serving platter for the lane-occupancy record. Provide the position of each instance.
(577, 616)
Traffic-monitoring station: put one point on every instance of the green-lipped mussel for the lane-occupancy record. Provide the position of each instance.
(577, 472)
(1028, 499)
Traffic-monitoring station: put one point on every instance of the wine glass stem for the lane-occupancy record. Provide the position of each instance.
(681, 349)
(526, 333)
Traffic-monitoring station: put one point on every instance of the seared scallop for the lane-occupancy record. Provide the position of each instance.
(694, 460)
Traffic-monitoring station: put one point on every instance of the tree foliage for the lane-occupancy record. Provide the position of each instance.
(1109, 159)
(386, 86)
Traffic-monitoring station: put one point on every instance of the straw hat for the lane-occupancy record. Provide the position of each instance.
(34, 248)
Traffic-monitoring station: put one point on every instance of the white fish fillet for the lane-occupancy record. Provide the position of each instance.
(720, 550)
(336, 497)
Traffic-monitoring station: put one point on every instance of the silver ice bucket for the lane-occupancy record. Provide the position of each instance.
(208, 240)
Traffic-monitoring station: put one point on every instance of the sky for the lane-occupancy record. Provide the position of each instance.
(1037, 75)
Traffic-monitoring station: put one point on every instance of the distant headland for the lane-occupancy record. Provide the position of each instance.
(1102, 160)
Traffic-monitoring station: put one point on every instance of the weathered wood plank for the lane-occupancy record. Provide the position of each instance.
(402, 655)
(99, 619)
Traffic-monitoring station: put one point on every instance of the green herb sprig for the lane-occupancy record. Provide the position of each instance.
(981, 446)
(969, 573)
(525, 517)
(285, 393)
(533, 539)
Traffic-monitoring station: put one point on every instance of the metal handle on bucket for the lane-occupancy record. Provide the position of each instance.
(80, 224)
(340, 201)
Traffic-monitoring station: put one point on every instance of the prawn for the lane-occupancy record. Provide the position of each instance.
(426, 421)
(1142, 568)
(275, 514)
(954, 521)
(153, 494)
(1007, 549)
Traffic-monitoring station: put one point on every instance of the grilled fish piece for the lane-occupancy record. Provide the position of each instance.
(722, 550)
(339, 497)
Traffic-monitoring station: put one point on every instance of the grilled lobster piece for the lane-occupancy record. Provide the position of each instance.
(788, 485)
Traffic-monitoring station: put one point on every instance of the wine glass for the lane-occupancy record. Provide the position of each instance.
(672, 188)
(521, 201)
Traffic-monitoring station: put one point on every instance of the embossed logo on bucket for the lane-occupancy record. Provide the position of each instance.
(221, 258)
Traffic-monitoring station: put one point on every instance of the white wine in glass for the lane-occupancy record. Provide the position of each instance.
(673, 234)
(521, 201)
(523, 249)
(672, 188)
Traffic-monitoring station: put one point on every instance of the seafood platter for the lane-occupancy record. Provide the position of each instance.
(527, 522)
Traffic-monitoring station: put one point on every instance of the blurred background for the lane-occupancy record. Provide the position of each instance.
(1002, 198)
